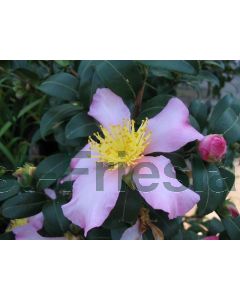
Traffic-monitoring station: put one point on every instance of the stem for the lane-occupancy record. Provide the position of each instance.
(138, 100)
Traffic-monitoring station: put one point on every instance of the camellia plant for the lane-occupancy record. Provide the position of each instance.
(122, 150)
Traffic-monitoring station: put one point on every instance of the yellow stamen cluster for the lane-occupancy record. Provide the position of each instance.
(120, 144)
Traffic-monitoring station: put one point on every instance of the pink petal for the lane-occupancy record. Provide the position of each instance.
(50, 193)
(90, 207)
(171, 129)
(36, 221)
(211, 238)
(83, 160)
(132, 233)
(29, 232)
(168, 194)
(108, 108)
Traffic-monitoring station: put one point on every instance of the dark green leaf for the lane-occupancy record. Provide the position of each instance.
(171, 65)
(214, 226)
(23, 205)
(8, 188)
(51, 169)
(226, 102)
(211, 184)
(55, 116)
(80, 125)
(199, 110)
(126, 210)
(55, 223)
(61, 85)
(228, 125)
(7, 236)
(122, 77)
(232, 226)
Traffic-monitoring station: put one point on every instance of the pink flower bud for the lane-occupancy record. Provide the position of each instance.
(212, 148)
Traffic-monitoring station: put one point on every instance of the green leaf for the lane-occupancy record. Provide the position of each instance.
(23, 205)
(122, 77)
(55, 116)
(208, 76)
(28, 107)
(5, 128)
(232, 227)
(8, 188)
(199, 110)
(215, 63)
(60, 137)
(61, 85)
(194, 123)
(7, 153)
(63, 63)
(226, 102)
(7, 236)
(126, 209)
(80, 125)
(214, 226)
(228, 125)
(51, 169)
(55, 223)
(177, 160)
(211, 183)
(170, 65)
(89, 80)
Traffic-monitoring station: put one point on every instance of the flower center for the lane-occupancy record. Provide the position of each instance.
(120, 144)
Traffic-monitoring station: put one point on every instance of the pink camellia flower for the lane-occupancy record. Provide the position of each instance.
(212, 148)
(29, 231)
(122, 149)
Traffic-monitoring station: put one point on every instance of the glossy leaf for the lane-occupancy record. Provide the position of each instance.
(80, 125)
(171, 65)
(8, 188)
(61, 85)
(23, 205)
(55, 116)
(55, 223)
(232, 227)
(211, 183)
(51, 169)
(228, 125)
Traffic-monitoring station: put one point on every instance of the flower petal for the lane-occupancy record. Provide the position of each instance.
(108, 108)
(168, 193)
(29, 232)
(36, 221)
(171, 129)
(132, 233)
(83, 160)
(91, 205)
(50, 193)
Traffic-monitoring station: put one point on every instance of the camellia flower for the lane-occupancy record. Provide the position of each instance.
(122, 147)
(212, 148)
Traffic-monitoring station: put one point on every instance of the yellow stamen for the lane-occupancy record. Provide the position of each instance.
(120, 144)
